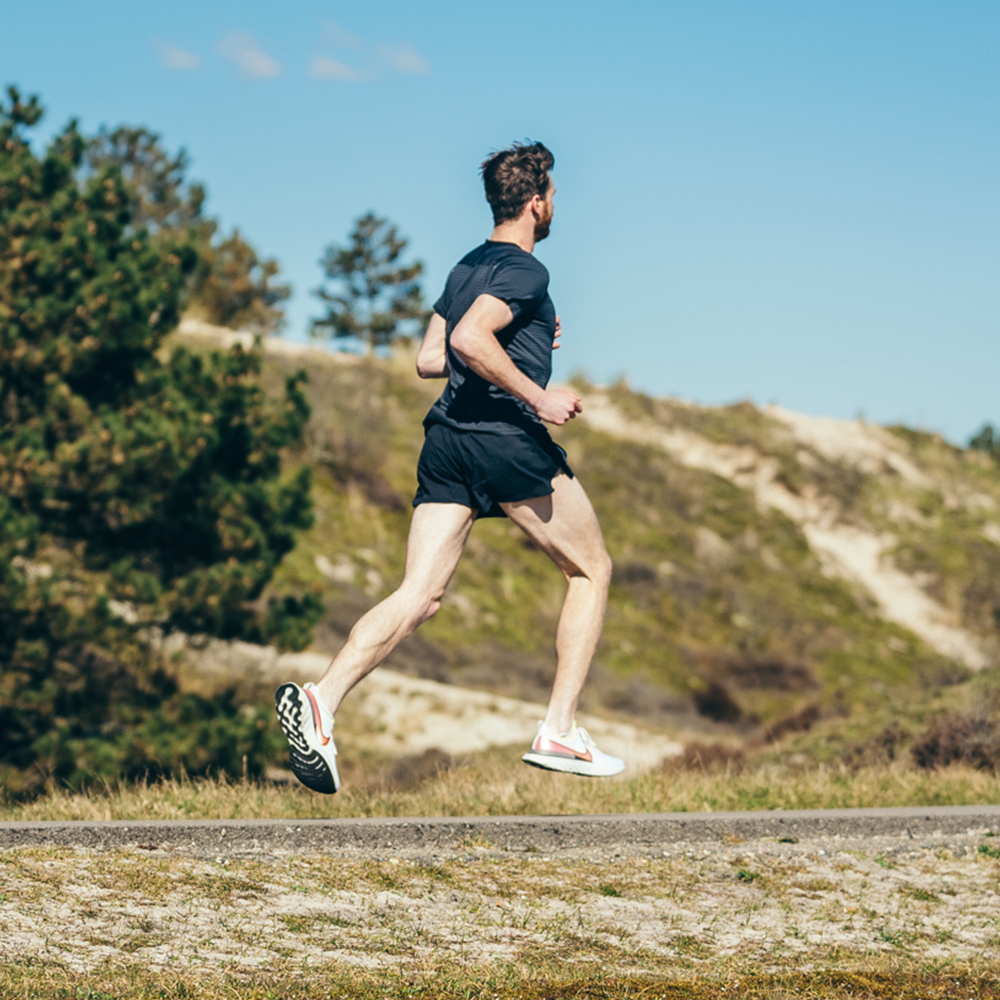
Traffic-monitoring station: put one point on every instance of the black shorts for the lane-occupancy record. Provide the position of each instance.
(482, 470)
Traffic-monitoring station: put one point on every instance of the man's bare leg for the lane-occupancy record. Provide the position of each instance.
(565, 526)
(438, 534)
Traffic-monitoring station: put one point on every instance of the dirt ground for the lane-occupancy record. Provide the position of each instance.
(778, 905)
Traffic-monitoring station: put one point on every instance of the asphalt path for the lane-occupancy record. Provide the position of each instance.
(636, 834)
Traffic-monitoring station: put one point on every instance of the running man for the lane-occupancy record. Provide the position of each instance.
(486, 454)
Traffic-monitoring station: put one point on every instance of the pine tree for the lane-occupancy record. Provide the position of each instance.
(373, 297)
(234, 287)
(131, 483)
(230, 285)
(986, 439)
(164, 201)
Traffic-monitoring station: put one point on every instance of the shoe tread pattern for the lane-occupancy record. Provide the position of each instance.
(307, 765)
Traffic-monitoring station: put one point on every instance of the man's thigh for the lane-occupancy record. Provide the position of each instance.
(564, 525)
(438, 533)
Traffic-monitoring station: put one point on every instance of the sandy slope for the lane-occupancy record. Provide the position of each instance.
(844, 550)
(404, 715)
(410, 715)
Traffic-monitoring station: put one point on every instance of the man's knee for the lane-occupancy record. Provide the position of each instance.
(602, 569)
(596, 568)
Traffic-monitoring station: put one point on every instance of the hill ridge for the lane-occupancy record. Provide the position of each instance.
(772, 568)
(844, 550)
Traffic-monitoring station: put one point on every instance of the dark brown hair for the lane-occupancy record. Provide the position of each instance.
(514, 176)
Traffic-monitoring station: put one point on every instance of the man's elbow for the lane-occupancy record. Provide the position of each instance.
(463, 342)
(432, 364)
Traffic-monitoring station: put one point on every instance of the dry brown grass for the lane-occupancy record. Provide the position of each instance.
(880, 979)
(495, 783)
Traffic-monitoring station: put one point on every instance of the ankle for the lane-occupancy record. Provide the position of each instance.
(321, 700)
(558, 725)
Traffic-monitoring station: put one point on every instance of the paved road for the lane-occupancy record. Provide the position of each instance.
(625, 834)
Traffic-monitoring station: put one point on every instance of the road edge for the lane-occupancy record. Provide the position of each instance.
(629, 833)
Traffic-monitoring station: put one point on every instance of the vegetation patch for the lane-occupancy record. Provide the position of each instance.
(141, 491)
(871, 981)
(969, 737)
(516, 923)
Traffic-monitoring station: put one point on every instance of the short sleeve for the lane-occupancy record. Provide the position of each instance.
(521, 283)
(443, 304)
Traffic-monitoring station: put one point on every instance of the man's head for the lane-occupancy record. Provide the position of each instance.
(518, 178)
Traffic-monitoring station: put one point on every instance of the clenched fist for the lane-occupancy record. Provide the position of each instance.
(556, 406)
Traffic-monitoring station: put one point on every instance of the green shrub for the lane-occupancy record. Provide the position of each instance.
(138, 493)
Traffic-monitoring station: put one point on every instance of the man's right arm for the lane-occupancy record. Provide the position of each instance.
(475, 342)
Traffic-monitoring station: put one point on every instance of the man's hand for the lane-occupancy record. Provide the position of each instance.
(556, 406)
(555, 340)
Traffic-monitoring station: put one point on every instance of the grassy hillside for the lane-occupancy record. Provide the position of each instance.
(721, 613)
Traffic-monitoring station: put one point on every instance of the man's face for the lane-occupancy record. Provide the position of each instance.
(543, 223)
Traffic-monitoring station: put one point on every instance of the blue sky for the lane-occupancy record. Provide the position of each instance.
(791, 202)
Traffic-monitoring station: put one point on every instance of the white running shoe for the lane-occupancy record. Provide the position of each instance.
(574, 753)
(311, 752)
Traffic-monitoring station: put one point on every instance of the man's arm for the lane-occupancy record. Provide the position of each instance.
(432, 358)
(474, 339)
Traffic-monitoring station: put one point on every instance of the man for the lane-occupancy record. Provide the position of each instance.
(486, 454)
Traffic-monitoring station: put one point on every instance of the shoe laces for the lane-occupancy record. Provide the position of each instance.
(588, 740)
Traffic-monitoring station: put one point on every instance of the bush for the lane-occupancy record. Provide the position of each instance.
(138, 493)
(960, 738)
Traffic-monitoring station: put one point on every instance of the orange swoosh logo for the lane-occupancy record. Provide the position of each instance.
(575, 753)
(317, 718)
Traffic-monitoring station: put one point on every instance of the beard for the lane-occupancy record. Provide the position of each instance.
(544, 224)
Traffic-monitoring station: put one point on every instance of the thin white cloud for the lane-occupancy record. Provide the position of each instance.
(241, 48)
(376, 59)
(324, 68)
(340, 38)
(404, 59)
(172, 57)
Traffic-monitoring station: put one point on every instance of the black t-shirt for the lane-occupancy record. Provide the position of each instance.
(506, 272)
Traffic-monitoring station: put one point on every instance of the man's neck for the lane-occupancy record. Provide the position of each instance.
(520, 232)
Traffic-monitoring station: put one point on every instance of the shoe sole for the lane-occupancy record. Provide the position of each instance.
(307, 764)
(569, 765)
